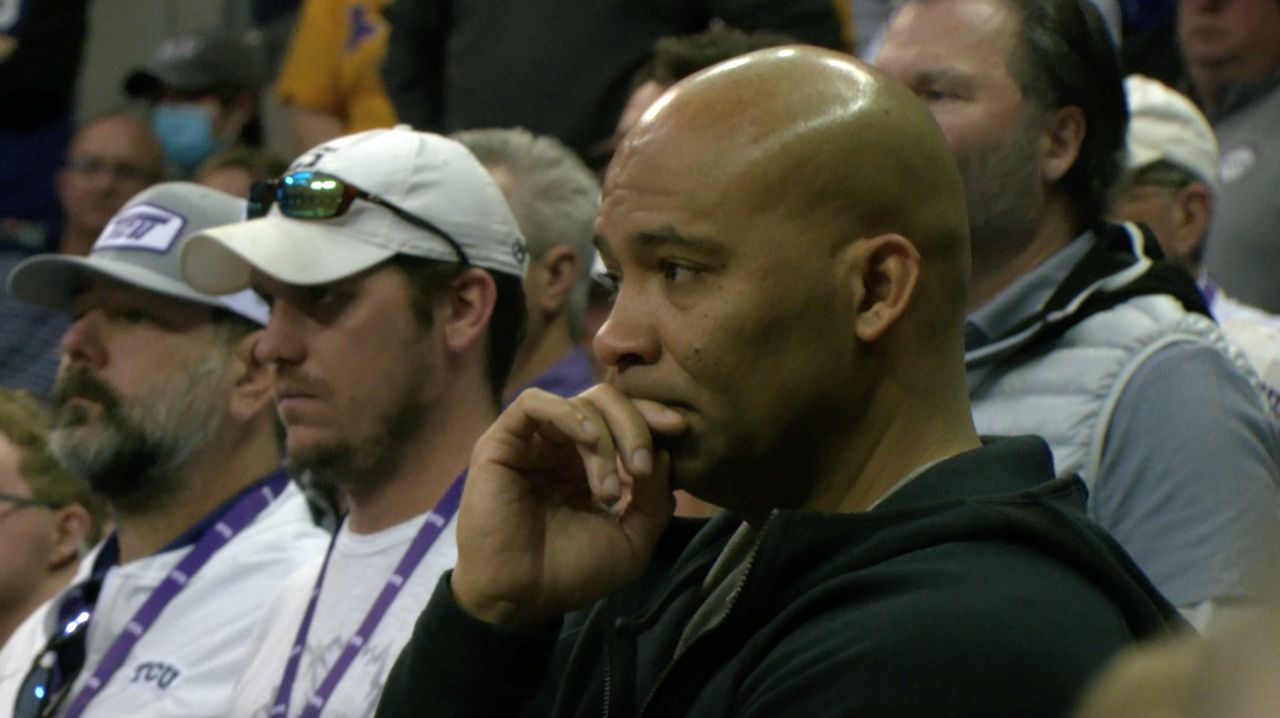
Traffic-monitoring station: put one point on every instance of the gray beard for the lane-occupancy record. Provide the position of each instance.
(132, 454)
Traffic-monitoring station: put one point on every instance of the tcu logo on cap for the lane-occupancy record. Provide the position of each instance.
(142, 226)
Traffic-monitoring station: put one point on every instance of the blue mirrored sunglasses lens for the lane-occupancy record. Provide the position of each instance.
(307, 195)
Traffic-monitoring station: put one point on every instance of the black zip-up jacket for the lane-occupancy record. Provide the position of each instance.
(978, 589)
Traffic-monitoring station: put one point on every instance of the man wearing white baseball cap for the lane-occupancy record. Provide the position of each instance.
(394, 268)
(161, 404)
(1172, 185)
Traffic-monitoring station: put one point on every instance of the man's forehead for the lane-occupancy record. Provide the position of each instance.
(96, 290)
(944, 36)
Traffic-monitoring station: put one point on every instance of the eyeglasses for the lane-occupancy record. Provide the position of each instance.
(315, 195)
(27, 501)
(54, 672)
(21, 502)
(122, 171)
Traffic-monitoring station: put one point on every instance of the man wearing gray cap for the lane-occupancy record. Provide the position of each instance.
(204, 90)
(161, 404)
(394, 268)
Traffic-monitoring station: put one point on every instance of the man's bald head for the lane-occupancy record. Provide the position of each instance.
(826, 138)
(789, 234)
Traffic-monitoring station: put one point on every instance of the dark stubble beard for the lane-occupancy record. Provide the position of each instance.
(1004, 195)
(361, 465)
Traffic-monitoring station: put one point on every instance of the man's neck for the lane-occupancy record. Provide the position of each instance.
(540, 353)
(994, 272)
(212, 475)
(431, 460)
(912, 421)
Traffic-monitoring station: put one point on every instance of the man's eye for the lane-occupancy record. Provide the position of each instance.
(321, 296)
(676, 272)
(134, 316)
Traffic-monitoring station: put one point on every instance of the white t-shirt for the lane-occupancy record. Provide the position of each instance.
(186, 665)
(358, 569)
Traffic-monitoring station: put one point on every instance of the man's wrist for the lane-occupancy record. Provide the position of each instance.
(492, 611)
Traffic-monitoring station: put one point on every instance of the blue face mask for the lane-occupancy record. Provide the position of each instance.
(186, 133)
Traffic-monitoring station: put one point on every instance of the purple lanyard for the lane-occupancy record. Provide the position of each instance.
(240, 515)
(432, 527)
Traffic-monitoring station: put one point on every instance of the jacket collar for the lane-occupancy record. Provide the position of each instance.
(1121, 263)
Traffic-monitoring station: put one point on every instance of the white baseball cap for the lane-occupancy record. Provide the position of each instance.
(429, 176)
(1165, 125)
(140, 246)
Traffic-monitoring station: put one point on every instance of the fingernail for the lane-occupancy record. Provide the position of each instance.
(642, 461)
(611, 487)
(589, 430)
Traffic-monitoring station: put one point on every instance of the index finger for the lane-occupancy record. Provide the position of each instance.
(627, 425)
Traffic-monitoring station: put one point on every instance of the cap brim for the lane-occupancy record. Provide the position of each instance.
(143, 84)
(53, 280)
(294, 251)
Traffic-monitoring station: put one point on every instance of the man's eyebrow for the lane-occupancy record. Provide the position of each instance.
(670, 237)
(948, 75)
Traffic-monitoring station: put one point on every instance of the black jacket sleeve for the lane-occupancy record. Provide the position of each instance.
(414, 70)
(457, 665)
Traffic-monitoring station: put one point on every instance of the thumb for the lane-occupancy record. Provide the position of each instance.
(651, 503)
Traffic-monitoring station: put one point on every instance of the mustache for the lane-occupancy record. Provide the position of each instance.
(79, 383)
(296, 381)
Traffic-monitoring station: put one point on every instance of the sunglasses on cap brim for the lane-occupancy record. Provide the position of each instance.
(315, 195)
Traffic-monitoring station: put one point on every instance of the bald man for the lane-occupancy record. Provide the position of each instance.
(792, 351)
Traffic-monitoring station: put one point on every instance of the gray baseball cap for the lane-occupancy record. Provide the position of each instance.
(196, 63)
(141, 246)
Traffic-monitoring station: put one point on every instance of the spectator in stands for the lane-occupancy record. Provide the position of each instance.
(560, 69)
(1073, 332)
(162, 407)
(48, 516)
(1172, 187)
(1232, 50)
(330, 81)
(675, 57)
(792, 351)
(235, 170)
(553, 197)
(111, 158)
(393, 265)
(203, 91)
(40, 51)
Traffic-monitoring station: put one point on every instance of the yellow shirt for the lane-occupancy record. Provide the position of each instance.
(333, 63)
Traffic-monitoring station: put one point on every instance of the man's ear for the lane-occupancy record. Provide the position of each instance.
(558, 269)
(1193, 211)
(1063, 135)
(467, 307)
(71, 524)
(884, 273)
(253, 381)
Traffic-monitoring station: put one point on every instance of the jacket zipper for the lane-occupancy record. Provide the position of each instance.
(731, 602)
